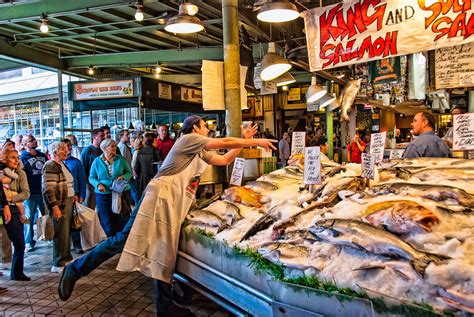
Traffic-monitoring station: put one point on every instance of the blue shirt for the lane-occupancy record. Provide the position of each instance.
(79, 175)
(427, 144)
(33, 166)
(100, 174)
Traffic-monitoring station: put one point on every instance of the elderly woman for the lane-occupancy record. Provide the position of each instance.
(104, 170)
(18, 193)
(58, 193)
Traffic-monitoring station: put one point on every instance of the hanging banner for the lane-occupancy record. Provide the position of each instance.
(103, 90)
(298, 142)
(364, 30)
(463, 132)
(237, 172)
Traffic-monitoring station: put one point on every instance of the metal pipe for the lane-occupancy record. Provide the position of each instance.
(225, 277)
(61, 102)
(216, 299)
(233, 111)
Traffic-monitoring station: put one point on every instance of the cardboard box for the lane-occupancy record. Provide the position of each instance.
(250, 153)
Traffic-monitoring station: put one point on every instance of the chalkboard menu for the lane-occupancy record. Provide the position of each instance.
(454, 66)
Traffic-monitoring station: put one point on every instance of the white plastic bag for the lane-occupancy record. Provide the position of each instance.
(91, 230)
(116, 202)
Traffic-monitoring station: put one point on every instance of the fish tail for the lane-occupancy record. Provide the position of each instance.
(421, 264)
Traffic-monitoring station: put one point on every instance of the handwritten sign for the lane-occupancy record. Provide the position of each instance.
(213, 85)
(356, 31)
(312, 165)
(396, 154)
(237, 172)
(368, 166)
(298, 141)
(454, 66)
(377, 145)
(463, 132)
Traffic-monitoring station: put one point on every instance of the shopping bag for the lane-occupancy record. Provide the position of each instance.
(76, 221)
(116, 203)
(91, 230)
(44, 228)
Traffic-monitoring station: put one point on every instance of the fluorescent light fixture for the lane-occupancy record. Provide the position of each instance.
(285, 79)
(273, 65)
(278, 11)
(314, 92)
(326, 100)
(184, 22)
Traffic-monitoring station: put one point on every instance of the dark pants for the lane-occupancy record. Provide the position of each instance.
(32, 204)
(106, 250)
(76, 239)
(15, 233)
(62, 235)
(111, 222)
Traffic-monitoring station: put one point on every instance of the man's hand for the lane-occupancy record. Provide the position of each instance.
(7, 216)
(248, 132)
(267, 144)
(56, 213)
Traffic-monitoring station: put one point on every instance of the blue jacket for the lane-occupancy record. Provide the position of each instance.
(33, 166)
(99, 173)
(77, 172)
(88, 156)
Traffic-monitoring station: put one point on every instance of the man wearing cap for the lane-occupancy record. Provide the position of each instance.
(161, 211)
(33, 161)
(427, 143)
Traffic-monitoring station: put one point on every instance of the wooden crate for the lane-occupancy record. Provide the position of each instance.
(250, 153)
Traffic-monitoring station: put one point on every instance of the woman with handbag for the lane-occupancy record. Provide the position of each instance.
(58, 193)
(18, 193)
(109, 175)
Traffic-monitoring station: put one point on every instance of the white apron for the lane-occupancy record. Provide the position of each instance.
(152, 245)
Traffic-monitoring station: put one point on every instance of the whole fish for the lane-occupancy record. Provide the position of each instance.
(263, 222)
(297, 236)
(225, 210)
(358, 234)
(348, 96)
(438, 193)
(401, 216)
(457, 300)
(260, 186)
(243, 195)
(288, 254)
(205, 218)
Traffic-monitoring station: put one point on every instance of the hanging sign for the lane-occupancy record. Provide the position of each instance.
(298, 141)
(312, 165)
(164, 91)
(237, 172)
(358, 31)
(377, 145)
(213, 85)
(454, 66)
(368, 166)
(103, 90)
(463, 131)
(191, 95)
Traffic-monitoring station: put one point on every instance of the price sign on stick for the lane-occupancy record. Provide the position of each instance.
(237, 172)
(368, 166)
(396, 154)
(298, 141)
(312, 165)
(463, 131)
(377, 145)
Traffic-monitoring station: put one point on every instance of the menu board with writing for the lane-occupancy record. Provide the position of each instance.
(377, 145)
(237, 172)
(368, 166)
(213, 85)
(463, 131)
(298, 141)
(454, 66)
(312, 165)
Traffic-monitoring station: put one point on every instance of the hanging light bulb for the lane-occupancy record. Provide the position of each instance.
(44, 27)
(278, 11)
(185, 22)
(284, 88)
(285, 79)
(273, 65)
(90, 70)
(314, 92)
(139, 13)
(158, 69)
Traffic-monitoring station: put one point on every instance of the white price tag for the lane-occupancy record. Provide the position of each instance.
(395, 154)
(298, 141)
(463, 131)
(377, 145)
(312, 165)
(237, 172)
(368, 166)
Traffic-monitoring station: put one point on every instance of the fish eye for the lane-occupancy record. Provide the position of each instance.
(334, 233)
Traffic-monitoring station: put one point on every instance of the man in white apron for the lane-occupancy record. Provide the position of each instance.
(149, 241)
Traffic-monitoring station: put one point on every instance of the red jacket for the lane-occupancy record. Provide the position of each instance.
(164, 145)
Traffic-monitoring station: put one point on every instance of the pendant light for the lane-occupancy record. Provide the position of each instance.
(285, 79)
(185, 22)
(273, 65)
(44, 27)
(139, 13)
(278, 11)
(314, 92)
(326, 100)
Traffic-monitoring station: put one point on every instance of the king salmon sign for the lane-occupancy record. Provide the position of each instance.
(361, 31)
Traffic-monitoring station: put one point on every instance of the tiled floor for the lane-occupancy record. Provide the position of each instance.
(105, 292)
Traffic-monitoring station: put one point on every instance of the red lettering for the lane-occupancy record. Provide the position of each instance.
(325, 23)
(354, 19)
(470, 27)
(435, 8)
(459, 24)
(327, 53)
(366, 46)
(378, 14)
(341, 24)
(391, 44)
